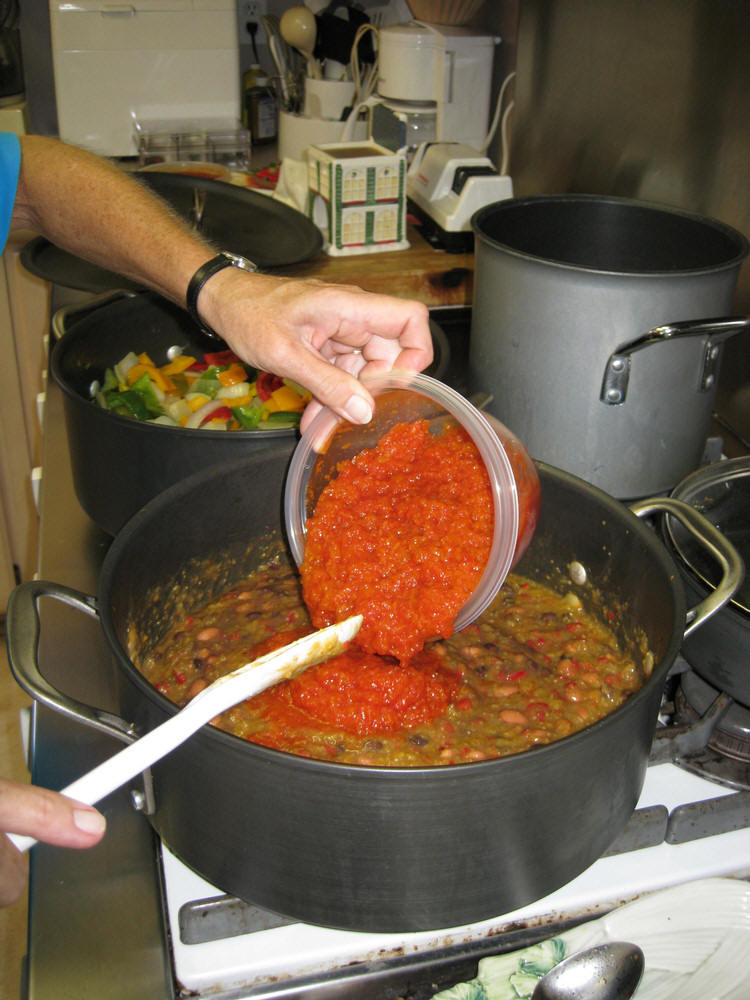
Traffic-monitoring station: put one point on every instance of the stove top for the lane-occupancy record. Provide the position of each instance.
(688, 824)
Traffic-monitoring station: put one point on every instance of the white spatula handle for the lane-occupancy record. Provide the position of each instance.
(245, 682)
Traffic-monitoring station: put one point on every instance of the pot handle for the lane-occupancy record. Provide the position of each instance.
(23, 628)
(732, 566)
(617, 370)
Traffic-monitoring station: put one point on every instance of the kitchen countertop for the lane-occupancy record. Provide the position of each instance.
(421, 272)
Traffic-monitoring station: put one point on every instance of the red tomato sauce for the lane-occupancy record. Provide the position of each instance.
(401, 536)
(359, 693)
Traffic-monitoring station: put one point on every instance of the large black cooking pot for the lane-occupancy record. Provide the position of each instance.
(118, 463)
(363, 848)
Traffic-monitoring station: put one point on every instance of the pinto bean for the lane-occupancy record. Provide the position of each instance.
(208, 633)
(198, 685)
(513, 717)
(504, 690)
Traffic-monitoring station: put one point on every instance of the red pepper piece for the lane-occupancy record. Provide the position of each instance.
(221, 358)
(267, 383)
(222, 413)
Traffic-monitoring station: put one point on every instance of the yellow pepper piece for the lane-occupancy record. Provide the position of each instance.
(239, 401)
(162, 381)
(235, 373)
(196, 401)
(285, 398)
(177, 365)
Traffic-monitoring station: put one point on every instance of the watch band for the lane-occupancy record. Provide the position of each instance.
(201, 276)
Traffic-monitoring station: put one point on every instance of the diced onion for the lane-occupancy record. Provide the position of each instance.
(179, 409)
(197, 418)
(234, 391)
(123, 366)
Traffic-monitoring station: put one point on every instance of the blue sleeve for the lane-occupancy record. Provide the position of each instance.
(10, 163)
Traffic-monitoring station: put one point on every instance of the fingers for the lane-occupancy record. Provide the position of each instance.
(48, 816)
(14, 868)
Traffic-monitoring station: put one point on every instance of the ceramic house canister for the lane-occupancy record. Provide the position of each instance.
(357, 197)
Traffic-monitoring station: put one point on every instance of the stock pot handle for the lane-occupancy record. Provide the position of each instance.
(732, 566)
(23, 628)
(617, 370)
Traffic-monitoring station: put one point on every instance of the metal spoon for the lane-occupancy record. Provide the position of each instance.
(610, 971)
(245, 682)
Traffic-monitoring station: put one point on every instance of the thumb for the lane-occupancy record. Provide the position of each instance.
(337, 389)
(48, 816)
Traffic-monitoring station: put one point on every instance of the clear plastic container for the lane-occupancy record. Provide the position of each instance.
(405, 397)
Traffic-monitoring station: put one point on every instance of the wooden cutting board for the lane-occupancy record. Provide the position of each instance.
(432, 276)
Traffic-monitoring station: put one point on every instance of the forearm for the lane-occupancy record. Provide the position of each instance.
(113, 221)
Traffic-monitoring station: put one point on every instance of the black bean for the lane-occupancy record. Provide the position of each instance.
(418, 740)
(371, 746)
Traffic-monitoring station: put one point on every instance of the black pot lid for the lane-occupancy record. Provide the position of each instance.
(235, 218)
(721, 492)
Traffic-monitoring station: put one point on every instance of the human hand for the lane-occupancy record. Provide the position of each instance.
(47, 816)
(321, 335)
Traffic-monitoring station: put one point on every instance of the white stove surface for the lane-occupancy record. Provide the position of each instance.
(301, 949)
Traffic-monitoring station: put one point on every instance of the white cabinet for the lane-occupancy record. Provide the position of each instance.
(24, 324)
(142, 61)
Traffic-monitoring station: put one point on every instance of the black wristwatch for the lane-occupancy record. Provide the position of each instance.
(201, 276)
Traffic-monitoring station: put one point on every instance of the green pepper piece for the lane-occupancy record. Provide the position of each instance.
(248, 416)
(110, 380)
(208, 383)
(289, 418)
(145, 389)
(128, 404)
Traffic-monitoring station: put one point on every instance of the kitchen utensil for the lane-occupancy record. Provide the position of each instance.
(120, 464)
(609, 971)
(299, 29)
(415, 849)
(718, 653)
(399, 397)
(565, 288)
(245, 682)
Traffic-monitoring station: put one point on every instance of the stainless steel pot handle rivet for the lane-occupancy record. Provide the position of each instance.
(614, 389)
(22, 632)
(732, 566)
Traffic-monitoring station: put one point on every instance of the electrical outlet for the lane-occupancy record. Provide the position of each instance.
(250, 12)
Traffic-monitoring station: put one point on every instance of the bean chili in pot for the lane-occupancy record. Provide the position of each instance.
(534, 668)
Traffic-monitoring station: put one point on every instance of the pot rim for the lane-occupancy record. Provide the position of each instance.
(656, 208)
(439, 772)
